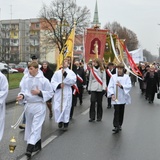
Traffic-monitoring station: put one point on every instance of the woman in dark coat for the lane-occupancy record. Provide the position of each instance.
(152, 84)
(48, 73)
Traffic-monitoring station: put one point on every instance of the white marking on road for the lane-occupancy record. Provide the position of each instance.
(46, 142)
(85, 112)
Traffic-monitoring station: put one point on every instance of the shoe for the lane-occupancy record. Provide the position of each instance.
(65, 127)
(29, 151)
(115, 130)
(91, 120)
(37, 146)
(108, 107)
(99, 120)
(22, 126)
(60, 124)
(28, 154)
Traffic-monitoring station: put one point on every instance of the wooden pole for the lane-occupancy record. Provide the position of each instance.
(62, 73)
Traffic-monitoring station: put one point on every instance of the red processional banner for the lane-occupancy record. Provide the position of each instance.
(95, 41)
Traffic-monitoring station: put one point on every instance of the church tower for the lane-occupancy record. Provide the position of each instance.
(95, 23)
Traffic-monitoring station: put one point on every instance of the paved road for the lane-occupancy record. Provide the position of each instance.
(138, 140)
(12, 95)
(12, 113)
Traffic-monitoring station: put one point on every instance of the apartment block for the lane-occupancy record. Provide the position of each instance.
(20, 39)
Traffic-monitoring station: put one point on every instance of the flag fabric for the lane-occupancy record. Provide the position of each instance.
(131, 62)
(114, 50)
(120, 58)
(119, 51)
(137, 55)
(95, 40)
(67, 49)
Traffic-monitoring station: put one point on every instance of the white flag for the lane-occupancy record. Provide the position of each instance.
(137, 55)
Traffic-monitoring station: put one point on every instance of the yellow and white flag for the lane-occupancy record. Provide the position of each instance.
(67, 49)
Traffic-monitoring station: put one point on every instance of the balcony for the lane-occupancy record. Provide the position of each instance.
(3, 29)
(34, 44)
(14, 44)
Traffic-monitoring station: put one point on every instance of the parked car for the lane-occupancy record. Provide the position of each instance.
(12, 70)
(4, 68)
(20, 68)
(12, 65)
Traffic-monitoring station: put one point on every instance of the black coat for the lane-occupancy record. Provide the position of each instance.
(48, 74)
(81, 73)
(152, 82)
(108, 76)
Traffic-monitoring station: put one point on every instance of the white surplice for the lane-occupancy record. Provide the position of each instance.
(3, 96)
(68, 81)
(35, 105)
(123, 94)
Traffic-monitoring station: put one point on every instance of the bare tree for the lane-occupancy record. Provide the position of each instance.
(149, 56)
(130, 37)
(59, 18)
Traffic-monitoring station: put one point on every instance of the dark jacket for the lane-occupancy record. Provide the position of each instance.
(47, 73)
(108, 76)
(81, 73)
(152, 82)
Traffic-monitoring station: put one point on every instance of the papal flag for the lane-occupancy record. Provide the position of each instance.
(67, 50)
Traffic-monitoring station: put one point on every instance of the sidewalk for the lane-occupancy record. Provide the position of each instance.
(12, 94)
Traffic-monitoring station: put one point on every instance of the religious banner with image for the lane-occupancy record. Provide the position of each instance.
(95, 40)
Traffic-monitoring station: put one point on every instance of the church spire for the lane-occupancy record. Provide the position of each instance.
(95, 22)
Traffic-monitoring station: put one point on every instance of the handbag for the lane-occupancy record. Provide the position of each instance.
(158, 94)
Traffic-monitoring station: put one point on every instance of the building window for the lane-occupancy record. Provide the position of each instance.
(37, 25)
(27, 34)
(15, 34)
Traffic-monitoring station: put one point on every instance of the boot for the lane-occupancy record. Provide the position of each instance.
(37, 146)
(29, 151)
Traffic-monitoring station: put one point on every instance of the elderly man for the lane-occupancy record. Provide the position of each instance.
(3, 96)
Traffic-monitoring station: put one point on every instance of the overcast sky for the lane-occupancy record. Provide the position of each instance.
(140, 16)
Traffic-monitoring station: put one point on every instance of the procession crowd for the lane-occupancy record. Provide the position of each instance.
(60, 91)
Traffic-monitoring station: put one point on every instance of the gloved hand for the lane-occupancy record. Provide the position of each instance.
(89, 92)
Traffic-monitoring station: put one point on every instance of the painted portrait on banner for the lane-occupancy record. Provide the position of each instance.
(95, 46)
